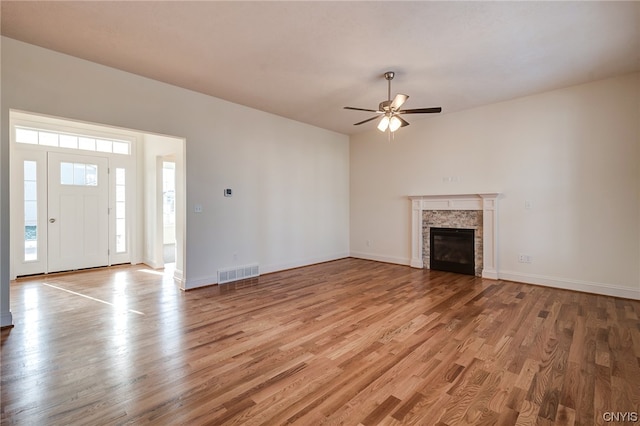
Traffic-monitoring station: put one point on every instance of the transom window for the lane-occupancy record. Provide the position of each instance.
(67, 140)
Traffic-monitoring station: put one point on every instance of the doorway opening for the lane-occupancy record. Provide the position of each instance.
(169, 211)
(60, 167)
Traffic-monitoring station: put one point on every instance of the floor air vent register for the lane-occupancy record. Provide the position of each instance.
(227, 275)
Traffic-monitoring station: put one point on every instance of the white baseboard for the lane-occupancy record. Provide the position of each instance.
(561, 283)
(178, 277)
(153, 265)
(568, 284)
(385, 259)
(267, 269)
(417, 264)
(191, 283)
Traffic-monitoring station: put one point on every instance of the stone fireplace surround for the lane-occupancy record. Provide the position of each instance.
(454, 211)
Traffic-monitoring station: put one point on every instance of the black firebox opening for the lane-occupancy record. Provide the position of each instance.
(452, 250)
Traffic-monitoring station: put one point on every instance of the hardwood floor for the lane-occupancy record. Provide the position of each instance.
(349, 342)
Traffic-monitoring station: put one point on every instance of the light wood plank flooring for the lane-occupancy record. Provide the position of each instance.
(350, 342)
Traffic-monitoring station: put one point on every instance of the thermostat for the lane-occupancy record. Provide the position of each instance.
(227, 192)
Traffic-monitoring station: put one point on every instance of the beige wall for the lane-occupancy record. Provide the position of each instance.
(303, 194)
(573, 153)
(290, 180)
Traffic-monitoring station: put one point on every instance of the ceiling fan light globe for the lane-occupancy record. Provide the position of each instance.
(384, 124)
(394, 123)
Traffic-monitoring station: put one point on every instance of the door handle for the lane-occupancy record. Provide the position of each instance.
(52, 220)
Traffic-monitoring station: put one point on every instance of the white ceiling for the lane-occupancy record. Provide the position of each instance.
(306, 60)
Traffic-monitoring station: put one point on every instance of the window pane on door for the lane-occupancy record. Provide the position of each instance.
(91, 175)
(78, 174)
(66, 173)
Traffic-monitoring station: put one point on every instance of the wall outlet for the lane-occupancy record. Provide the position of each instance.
(197, 208)
(368, 243)
(524, 258)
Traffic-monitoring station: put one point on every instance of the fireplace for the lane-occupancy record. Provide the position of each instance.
(453, 250)
(454, 219)
(478, 212)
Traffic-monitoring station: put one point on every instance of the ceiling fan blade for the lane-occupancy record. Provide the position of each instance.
(367, 120)
(403, 121)
(398, 101)
(420, 110)
(362, 109)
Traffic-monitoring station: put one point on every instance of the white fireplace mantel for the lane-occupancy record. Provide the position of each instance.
(488, 203)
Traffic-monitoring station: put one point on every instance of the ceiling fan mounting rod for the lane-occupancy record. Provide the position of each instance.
(389, 76)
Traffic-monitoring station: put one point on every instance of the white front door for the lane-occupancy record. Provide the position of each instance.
(78, 212)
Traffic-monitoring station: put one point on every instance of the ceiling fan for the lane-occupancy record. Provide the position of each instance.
(390, 110)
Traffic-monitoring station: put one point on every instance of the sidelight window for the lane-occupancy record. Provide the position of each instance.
(121, 230)
(30, 211)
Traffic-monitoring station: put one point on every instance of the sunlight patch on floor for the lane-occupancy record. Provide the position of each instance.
(90, 298)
